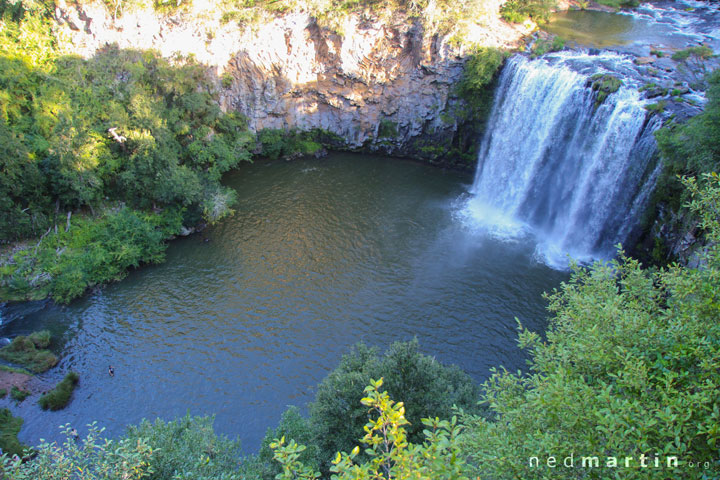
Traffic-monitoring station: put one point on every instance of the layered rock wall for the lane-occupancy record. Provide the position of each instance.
(381, 85)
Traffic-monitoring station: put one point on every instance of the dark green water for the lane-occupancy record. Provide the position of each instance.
(319, 255)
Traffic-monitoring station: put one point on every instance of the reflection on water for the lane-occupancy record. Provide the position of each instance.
(319, 255)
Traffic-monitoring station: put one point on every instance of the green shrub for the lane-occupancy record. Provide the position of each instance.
(476, 88)
(123, 128)
(3, 392)
(18, 395)
(543, 46)
(629, 367)
(226, 80)
(479, 72)
(292, 426)
(657, 107)
(171, 7)
(604, 84)
(9, 428)
(84, 459)
(276, 143)
(389, 453)
(272, 142)
(429, 388)
(24, 351)
(187, 448)
(59, 397)
(387, 129)
(518, 11)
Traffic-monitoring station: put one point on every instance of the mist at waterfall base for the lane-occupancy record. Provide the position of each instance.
(558, 169)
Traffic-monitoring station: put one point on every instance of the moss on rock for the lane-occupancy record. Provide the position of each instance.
(604, 84)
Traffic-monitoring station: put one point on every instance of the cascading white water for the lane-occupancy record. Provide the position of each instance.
(555, 163)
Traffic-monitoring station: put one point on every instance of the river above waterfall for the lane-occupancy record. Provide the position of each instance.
(319, 255)
(652, 26)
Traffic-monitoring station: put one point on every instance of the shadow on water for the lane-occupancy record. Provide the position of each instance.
(319, 255)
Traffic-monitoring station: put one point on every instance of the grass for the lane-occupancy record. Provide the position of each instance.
(18, 395)
(59, 397)
(3, 392)
(619, 3)
(658, 107)
(7, 368)
(543, 46)
(30, 352)
(9, 428)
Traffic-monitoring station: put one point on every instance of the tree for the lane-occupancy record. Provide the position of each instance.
(389, 453)
(430, 390)
(520, 10)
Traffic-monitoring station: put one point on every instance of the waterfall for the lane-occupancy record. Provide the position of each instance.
(575, 174)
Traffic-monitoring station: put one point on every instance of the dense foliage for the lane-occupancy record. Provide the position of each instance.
(184, 449)
(389, 453)
(520, 10)
(92, 251)
(131, 142)
(275, 143)
(480, 70)
(292, 426)
(59, 397)
(476, 88)
(687, 147)
(90, 458)
(430, 390)
(187, 449)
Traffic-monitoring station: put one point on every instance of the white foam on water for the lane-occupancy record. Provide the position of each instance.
(556, 165)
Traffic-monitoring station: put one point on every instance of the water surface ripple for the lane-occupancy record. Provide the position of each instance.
(319, 255)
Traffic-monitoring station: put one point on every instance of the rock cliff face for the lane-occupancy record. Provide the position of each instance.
(380, 86)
